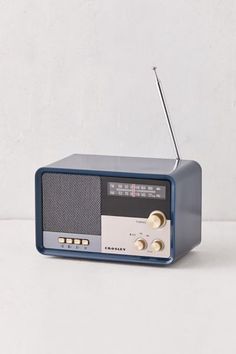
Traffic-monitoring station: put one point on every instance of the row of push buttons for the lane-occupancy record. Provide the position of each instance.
(75, 241)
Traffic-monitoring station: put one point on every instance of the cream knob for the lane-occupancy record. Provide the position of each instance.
(157, 245)
(140, 244)
(156, 219)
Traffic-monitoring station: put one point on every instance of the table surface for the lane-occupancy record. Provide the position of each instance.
(52, 306)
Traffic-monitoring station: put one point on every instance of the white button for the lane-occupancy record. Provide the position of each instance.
(85, 242)
(77, 241)
(69, 240)
(61, 239)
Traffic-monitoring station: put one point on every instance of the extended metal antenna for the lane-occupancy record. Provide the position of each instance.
(166, 114)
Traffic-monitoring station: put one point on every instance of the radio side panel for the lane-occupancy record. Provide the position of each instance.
(188, 208)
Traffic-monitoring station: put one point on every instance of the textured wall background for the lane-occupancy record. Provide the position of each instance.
(75, 76)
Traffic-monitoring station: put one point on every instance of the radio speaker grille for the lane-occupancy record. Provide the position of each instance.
(71, 203)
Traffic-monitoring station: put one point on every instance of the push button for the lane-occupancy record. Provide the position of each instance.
(85, 242)
(69, 241)
(77, 241)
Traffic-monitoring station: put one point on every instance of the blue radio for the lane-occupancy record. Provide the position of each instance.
(124, 209)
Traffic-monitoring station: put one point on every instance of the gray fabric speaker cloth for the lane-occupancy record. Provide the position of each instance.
(71, 203)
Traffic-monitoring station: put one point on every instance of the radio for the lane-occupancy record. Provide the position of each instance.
(124, 209)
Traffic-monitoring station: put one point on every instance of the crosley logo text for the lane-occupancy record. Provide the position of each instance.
(115, 248)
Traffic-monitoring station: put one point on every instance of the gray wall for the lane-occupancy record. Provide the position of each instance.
(75, 76)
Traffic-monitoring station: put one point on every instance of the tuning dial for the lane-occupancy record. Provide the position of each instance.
(156, 219)
(157, 245)
(140, 244)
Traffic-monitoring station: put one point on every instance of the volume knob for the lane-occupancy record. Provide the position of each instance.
(157, 245)
(156, 219)
(140, 244)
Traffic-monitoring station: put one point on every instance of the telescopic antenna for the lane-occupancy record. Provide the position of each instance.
(158, 83)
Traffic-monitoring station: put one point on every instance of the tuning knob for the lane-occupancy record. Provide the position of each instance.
(156, 219)
(157, 245)
(140, 244)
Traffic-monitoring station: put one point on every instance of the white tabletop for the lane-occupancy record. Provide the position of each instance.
(52, 306)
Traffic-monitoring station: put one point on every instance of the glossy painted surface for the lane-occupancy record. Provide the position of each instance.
(185, 180)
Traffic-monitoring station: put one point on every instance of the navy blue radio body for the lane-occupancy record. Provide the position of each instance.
(123, 209)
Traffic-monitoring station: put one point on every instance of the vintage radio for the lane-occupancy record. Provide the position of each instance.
(124, 209)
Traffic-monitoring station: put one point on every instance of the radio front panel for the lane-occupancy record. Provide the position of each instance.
(110, 215)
